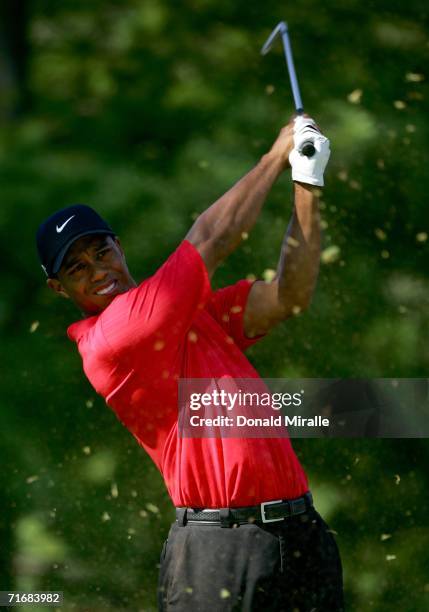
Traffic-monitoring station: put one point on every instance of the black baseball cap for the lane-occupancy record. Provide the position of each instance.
(58, 232)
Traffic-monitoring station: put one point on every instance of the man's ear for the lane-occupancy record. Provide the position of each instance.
(56, 286)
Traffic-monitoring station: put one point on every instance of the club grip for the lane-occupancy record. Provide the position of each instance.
(307, 149)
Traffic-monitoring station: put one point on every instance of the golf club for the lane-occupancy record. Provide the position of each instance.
(307, 147)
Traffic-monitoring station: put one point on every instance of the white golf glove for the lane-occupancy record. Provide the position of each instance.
(308, 169)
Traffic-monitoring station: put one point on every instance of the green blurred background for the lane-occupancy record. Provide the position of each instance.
(149, 110)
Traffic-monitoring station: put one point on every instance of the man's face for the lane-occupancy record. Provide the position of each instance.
(93, 272)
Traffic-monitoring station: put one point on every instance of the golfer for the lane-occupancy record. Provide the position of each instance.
(246, 536)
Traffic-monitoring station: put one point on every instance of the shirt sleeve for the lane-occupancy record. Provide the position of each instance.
(161, 309)
(227, 306)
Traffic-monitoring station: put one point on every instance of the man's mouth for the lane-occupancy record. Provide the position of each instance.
(107, 289)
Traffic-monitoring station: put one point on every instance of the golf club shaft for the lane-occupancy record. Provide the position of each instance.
(307, 148)
(292, 74)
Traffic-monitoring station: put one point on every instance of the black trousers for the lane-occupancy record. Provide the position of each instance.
(288, 566)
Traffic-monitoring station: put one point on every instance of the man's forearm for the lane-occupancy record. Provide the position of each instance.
(298, 266)
(223, 224)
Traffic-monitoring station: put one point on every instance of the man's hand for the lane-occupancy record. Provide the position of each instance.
(284, 144)
(308, 170)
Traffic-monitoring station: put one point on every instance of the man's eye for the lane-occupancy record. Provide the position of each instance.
(77, 268)
(102, 253)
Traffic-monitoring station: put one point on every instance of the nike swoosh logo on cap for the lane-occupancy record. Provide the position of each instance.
(61, 227)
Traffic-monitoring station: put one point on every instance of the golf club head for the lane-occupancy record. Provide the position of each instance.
(278, 31)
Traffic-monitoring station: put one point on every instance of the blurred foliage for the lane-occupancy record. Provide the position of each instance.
(148, 111)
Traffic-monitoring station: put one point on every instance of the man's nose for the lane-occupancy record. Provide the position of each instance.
(98, 273)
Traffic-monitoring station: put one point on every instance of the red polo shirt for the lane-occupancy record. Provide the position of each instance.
(173, 326)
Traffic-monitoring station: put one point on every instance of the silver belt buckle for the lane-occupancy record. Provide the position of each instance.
(263, 504)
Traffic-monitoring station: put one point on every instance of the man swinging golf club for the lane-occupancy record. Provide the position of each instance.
(262, 545)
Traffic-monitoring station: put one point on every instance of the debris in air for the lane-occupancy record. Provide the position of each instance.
(293, 242)
(330, 255)
(355, 96)
(414, 77)
(268, 275)
(381, 234)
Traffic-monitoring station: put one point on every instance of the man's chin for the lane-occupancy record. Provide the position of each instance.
(106, 300)
(97, 306)
(99, 302)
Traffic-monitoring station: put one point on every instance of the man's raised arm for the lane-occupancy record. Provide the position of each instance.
(219, 230)
(293, 285)
(291, 289)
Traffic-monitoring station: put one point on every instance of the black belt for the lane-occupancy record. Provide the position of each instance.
(267, 512)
